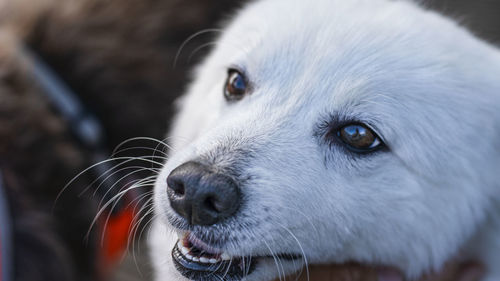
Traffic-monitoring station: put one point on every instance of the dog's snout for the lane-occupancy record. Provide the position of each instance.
(202, 196)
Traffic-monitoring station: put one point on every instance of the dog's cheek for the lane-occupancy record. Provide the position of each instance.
(395, 217)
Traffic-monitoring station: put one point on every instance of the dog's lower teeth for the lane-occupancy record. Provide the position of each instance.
(187, 253)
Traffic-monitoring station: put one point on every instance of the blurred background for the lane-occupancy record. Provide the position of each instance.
(82, 81)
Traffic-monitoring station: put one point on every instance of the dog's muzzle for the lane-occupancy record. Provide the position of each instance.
(204, 197)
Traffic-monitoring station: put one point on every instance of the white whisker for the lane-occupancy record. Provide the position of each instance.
(300, 246)
(274, 258)
(201, 32)
(139, 138)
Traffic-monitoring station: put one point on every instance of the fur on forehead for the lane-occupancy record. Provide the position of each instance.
(373, 59)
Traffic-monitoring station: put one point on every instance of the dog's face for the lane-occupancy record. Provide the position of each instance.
(330, 132)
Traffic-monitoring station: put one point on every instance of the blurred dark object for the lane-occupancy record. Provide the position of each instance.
(117, 56)
(479, 16)
(6, 235)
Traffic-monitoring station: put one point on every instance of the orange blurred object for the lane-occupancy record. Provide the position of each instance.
(114, 235)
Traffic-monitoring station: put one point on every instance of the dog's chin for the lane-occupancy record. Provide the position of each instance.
(196, 260)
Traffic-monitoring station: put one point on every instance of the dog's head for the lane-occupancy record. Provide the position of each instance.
(328, 132)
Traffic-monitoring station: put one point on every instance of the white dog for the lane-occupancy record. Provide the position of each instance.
(329, 131)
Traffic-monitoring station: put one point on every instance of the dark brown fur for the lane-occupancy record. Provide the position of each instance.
(37, 155)
(117, 55)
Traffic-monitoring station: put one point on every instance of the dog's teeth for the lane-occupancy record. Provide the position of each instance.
(225, 257)
(184, 250)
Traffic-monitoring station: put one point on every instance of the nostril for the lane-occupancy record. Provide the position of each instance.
(177, 187)
(180, 189)
(212, 205)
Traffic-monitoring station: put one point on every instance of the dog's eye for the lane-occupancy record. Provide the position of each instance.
(236, 85)
(359, 138)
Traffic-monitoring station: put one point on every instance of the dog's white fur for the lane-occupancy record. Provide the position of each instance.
(428, 87)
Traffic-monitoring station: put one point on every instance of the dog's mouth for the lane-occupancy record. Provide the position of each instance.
(198, 261)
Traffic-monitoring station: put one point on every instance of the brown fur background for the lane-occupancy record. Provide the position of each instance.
(118, 56)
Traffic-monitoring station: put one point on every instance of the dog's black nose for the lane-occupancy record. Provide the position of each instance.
(201, 196)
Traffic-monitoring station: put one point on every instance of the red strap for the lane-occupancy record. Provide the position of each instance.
(115, 233)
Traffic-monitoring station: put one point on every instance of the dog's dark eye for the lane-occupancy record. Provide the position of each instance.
(359, 138)
(236, 85)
